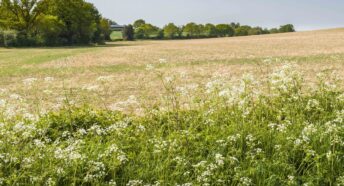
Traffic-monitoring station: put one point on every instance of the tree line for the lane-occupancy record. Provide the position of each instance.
(142, 30)
(51, 22)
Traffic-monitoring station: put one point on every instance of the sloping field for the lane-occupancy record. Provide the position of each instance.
(262, 110)
(74, 71)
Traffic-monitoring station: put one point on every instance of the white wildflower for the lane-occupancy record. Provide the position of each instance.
(135, 183)
(49, 79)
(29, 81)
(162, 61)
(150, 67)
(105, 78)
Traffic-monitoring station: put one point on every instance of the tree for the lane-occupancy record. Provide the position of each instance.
(81, 20)
(210, 30)
(139, 23)
(287, 28)
(242, 30)
(235, 25)
(255, 31)
(128, 33)
(224, 30)
(105, 28)
(21, 15)
(49, 29)
(171, 31)
(192, 30)
(146, 31)
(274, 31)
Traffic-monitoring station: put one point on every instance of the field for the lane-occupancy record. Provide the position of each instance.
(257, 110)
(116, 35)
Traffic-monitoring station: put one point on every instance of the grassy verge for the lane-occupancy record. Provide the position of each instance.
(274, 131)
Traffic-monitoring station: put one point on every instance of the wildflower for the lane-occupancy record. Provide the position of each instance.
(50, 182)
(60, 171)
(112, 183)
(169, 79)
(135, 183)
(91, 88)
(47, 92)
(162, 61)
(150, 67)
(104, 78)
(15, 96)
(246, 181)
(2, 103)
(39, 143)
(49, 79)
(29, 81)
(313, 104)
(219, 159)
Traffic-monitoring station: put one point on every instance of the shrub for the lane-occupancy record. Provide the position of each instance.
(128, 33)
(8, 38)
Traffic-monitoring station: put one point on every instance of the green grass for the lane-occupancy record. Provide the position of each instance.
(268, 132)
(116, 35)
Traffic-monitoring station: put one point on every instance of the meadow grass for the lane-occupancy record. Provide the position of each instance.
(273, 131)
(116, 35)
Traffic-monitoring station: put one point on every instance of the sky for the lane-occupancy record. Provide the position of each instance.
(304, 14)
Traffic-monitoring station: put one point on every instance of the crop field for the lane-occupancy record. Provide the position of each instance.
(75, 70)
(256, 110)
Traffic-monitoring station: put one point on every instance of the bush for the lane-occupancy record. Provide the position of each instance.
(128, 33)
(8, 38)
(287, 28)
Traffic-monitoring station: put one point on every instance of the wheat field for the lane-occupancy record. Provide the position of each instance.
(45, 76)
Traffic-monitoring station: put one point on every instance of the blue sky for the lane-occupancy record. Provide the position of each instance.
(304, 14)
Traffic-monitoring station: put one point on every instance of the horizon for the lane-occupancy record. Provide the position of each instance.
(319, 14)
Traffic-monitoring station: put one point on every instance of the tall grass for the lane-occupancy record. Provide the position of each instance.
(275, 131)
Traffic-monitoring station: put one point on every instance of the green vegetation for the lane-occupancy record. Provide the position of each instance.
(191, 30)
(51, 22)
(116, 35)
(267, 132)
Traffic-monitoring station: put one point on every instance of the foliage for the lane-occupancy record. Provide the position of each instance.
(224, 30)
(128, 33)
(210, 30)
(146, 31)
(269, 132)
(139, 23)
(242, 30)
(53, 22)
(191, 30)
(171, 31)
(287, 28)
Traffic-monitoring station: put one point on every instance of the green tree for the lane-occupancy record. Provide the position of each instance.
(224, 30)
(171, 31)
(210, 30)
(242, 30)
(192, 30)
(255, 31)
(146, 31)
(128, 33)
(274, 31)
(105, 28)
(287, 28)
(235, 25)
(139, 23)
(81, 20)
(49, 29)
(21, 15)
